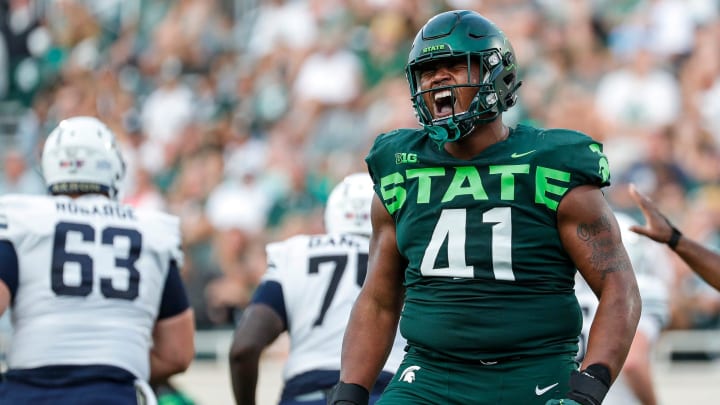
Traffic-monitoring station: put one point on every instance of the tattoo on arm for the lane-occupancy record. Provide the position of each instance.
(605, 256)
(586, 232)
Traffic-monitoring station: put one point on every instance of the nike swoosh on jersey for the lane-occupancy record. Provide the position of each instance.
(516, 155)
(540, 391)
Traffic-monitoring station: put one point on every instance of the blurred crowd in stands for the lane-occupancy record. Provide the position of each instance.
(240, 115)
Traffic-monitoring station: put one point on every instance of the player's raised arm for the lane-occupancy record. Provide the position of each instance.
(703, 261)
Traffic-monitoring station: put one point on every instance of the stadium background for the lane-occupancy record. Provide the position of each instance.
(240, 115)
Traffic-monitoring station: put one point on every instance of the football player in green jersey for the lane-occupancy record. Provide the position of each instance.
(477, 233)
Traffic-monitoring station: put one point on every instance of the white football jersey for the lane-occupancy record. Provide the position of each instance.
(321, 277)
(91, 273)
(654, 274)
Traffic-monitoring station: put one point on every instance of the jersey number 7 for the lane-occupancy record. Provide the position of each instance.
(340, 263)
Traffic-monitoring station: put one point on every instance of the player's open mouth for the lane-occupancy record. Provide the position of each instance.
(443, 103)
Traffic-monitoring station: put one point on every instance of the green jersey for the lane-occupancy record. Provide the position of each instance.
(487, 275)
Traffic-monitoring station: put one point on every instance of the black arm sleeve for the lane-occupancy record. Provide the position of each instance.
(174, 298)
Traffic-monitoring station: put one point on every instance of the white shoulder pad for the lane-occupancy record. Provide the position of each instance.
(280, 256)
(164, 229)
(20, 212)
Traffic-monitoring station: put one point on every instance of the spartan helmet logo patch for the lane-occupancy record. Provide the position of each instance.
(408, 375)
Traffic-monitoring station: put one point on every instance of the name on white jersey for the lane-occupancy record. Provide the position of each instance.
(105, 210)
(333, 240)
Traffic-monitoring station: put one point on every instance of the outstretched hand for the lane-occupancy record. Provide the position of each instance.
(656, 226)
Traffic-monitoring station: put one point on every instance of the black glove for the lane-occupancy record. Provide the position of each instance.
(348, 394)
(589, 386)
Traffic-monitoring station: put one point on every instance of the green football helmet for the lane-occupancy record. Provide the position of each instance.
(463, 33)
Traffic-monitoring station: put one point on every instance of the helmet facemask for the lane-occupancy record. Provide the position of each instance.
(486, 50)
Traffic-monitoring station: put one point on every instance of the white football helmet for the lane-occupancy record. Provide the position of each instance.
(348, 207)
(81, 156)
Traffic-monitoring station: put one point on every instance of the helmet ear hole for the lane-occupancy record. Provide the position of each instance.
(508, 59)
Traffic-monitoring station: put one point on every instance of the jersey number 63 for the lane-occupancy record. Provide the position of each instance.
(108, 236)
